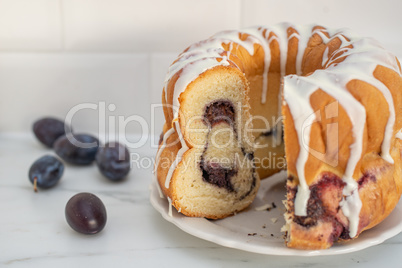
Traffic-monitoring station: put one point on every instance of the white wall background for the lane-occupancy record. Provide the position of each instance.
(56, 54)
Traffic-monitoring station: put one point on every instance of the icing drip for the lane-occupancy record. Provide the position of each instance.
(351, 206)
(303, 34)
(280, 31)
(325, 56)
(255, 37)
(298, 106)
(189, 74)
(158, 155)
(267, 58)
(399, 135)
(191, 56)
(179, 155)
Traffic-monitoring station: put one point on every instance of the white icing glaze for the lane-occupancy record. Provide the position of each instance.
(280, 30)
(359, 63)
(159, 188)
(179, 155)
(399, 135)
(351, 207)
(304, 33)
(325, 56)
(161, 148)
(188, 75)
(267, 57)
(295, 99)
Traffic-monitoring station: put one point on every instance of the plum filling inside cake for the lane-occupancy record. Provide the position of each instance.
(323, 205)
(216, 174)
(221, 114)
(218, 111)
(367, 177)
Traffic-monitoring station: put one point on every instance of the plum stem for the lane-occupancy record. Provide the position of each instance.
(35, 184)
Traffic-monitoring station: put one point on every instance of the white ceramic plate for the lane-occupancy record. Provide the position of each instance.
(259, 231)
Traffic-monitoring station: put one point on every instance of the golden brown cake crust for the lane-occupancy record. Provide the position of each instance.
(379, 191)
(379, 181)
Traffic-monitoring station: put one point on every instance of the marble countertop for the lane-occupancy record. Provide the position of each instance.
(34, 232)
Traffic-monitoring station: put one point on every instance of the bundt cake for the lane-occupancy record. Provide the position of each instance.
(237, 103)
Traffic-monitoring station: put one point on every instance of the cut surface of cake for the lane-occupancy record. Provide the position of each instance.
(236, 103)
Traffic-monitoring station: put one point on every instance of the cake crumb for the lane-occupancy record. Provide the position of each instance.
(252, 234)
(272, 235)
(267, 207)
(274, 220)
(264, 207)
(264, 226)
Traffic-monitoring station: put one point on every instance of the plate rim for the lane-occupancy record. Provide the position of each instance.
(340, 248)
